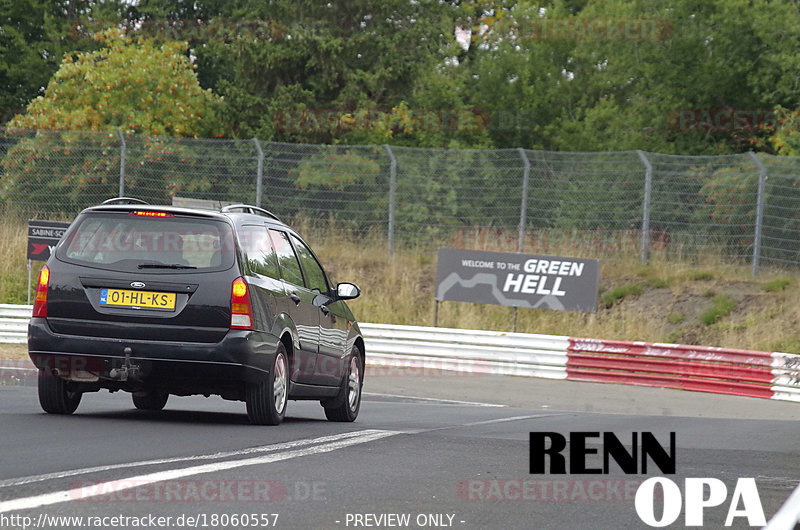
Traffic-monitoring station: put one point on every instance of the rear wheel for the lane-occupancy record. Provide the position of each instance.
(55, 396)
(266, 402)
(150, 400)
(348, 402)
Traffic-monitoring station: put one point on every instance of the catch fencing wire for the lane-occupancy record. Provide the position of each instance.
(744, 208)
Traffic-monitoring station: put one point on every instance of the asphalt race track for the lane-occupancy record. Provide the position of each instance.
(426, 451)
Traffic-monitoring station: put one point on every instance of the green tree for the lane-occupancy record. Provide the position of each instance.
(721, 54)
(517, 79)
(348, 56)
(139, 87)
(34, 37)
(786, 138)
(134, 86)
(728, 212)
(349, 183)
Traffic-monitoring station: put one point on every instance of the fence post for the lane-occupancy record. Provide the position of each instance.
(523, 210)
(762, 178)
(392, 193)
(121, 163)
(648, 185)
(260, 172)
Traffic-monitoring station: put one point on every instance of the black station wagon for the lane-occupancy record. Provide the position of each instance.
(160, 300)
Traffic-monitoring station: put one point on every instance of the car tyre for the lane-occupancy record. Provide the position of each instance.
(55, 396)
(150, 399)
(266, 402)
(347, 404)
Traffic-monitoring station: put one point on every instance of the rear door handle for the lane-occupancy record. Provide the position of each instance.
(295, 298)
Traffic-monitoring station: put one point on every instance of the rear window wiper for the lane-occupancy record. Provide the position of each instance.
(165, 266)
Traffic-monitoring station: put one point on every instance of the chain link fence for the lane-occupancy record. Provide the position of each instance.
(743, 208)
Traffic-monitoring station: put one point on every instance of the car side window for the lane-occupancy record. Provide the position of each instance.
(290, 267)
(257, 246)
(315, 277)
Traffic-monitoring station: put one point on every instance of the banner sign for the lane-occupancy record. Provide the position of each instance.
(43, 236)
(517, 280)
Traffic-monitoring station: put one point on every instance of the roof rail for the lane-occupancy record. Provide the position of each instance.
(255, 210)
(124, 200)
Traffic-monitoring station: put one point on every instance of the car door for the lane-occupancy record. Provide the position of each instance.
(333, 324)
(268, 294)
(300, 308)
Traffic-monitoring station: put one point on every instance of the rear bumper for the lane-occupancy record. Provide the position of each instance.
(179, 367)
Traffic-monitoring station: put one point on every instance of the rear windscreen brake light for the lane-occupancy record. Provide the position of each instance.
(148, 213)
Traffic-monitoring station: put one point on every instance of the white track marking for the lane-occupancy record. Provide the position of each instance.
(122, 484)
(436, 400)
(227, 454)
(484, 422)
(513, 418)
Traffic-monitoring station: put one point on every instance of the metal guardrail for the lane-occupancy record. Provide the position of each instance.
(14, 323)
(772, 375)
(460, 350)
(427, 350)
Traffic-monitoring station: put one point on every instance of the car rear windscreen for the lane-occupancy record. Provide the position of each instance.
(129, 242)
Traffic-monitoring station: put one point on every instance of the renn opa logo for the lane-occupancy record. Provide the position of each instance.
(698, 493)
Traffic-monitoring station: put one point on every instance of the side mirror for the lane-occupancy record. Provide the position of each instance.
(347, 291)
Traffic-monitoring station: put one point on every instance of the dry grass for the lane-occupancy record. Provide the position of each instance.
(13, 351)
(13, 266)
(399, 290)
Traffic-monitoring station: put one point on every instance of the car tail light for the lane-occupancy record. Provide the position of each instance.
(40, 302)
(241, 308)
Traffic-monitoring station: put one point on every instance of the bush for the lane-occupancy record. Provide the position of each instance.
(618, 293)
(721, 306)
(776, 285)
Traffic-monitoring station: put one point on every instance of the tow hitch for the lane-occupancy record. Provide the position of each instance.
(127, 370)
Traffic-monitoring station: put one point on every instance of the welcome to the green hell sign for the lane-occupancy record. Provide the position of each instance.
(517, 280)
